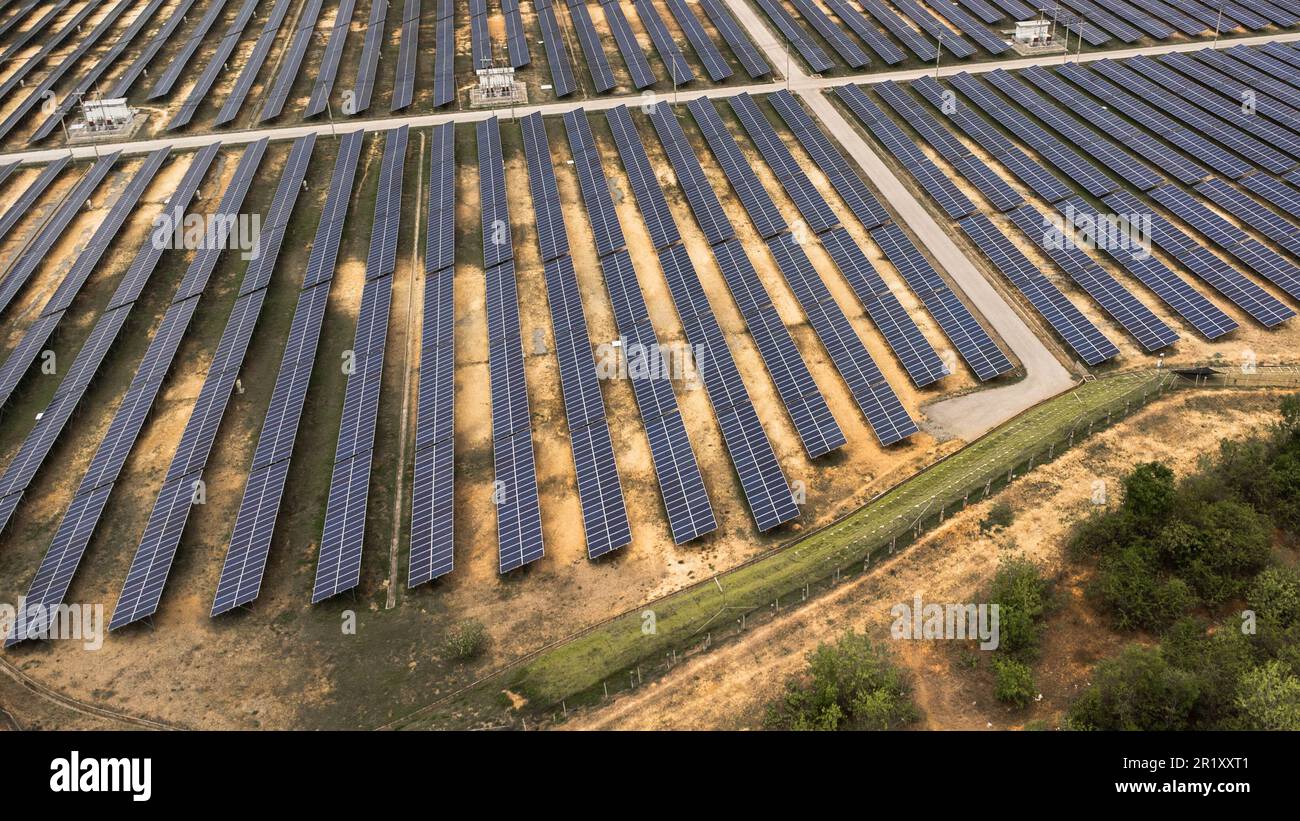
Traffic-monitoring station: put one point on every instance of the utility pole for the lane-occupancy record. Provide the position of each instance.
(937, 54)
(1218, 23)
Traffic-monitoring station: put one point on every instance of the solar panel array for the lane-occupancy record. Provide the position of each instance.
(918, 358)
(250, 540)
(951, 43)
(849, 51)
(55, 40)
(751, 59)
(153, 558)
(42, 93)
(602, 77)
(89, 79)
(633, 57)
(177, 62)
(1251, 252)
(972, 342)
(329, 61)
(881, 45)
(253, 64)
(679, 71)
(376, 34)
(19, 360)
(1252, 213)
(766, 490)
(34, 253)
(53, 576)
(1278, 193)
(793, 35)
(1083, 337)
(408, 49)
(480, 40)
(600, 495)
(291, 60)
(338, 567)
(432, 490)
(519, 518)
(444, 58)
(141, 63)
(15, 212)
(893, 23)
(873, 395)
(681, 486)
(984, 38)
(215, 66)
(516, 37)
(1132, 315)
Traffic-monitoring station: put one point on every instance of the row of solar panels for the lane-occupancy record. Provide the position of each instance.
(1195, 89)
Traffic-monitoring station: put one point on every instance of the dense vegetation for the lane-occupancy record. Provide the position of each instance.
(1205, 565)
(1023, 598)
(850, 685)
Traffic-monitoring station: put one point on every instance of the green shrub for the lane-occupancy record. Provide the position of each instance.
(1269, 698)
(1015, 682)
(465, 640)
(1022, 596)
(1136, 690)
(852, 684)
(1275, 596)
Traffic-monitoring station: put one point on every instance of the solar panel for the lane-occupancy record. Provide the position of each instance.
(749, 56)
(250, 540)
(215, 66)
(253, 64)
(755, 199)
(34, 253)
(633, 58)
(20, 359)
(1183, 22)
(444, 59)
(679, 71)
(1252, 213)
(291, 60)
(1083, 337)
(794, 36)
(329, 62)
(1278, 193)
(879, 43)
(812, 206)
(893, 23)
(983, 10)
(591, 177)
(1096, 18)
(714, 64)
(597, 63)
(55, 40)
(376, 34)
(685, 501)
(952, 43)
(904, 149)
(516, 39)
(645, 184)
(557, 54)
(1134, 255)
(177, 63)
(1131, 314)
(969, 26)
(408, 49)
(704, 203)
(848, 50)
(30, 194)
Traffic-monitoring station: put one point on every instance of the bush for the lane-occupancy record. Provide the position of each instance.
(465, 640)
(1015, 682)
(1136, 690)
(1269, 698)
(999, 516)
(852, 684)
(1149, 495)
(1021, 594)
(1275, 596)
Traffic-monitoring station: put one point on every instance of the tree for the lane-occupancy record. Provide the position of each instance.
(852, 684)
(1269, 698)
(1021, 594)
(1136, 690)
(1015, 681)
(1275, 596)
(1149, 494)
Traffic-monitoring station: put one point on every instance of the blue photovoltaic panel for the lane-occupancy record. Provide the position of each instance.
(746, 52)
(602, 77)
(250, 540)
(983, 11)
(127, 78)
(1135, 317)
(291, 60)
(699, 193)
(1252, 213)
(679, 71)
(31, 193)
(757, 203)
(19, 360)
(934, 181)
(480, 41)
(557, 53)
(795, 36)
(878, 42)
(516, 39)
(376, 34)
(408, 50)
(591, 177)
(177, 62)
(685, 501)
(444, 58)
(690, 25)
(645, 184)
(984, 38)
(329, 63)
(216, 65)
(1201, 313)
(1083, 337)
(973, 343)
(908, 36)
(952, 43)
(633, 58)
(812, 206)
(1275, 192)
(261, 50)
(849, 51)
(498, 245)
(34, 253)
(51, 43)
